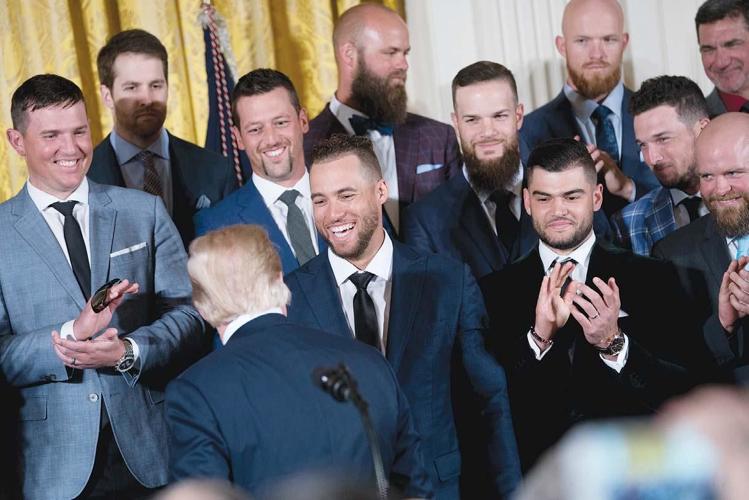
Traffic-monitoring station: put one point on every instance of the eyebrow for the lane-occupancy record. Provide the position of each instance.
(566, 193)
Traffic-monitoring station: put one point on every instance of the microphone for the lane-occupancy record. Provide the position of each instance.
(335, 381)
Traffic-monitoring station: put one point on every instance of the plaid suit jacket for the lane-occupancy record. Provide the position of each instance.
(426, 152)
(639, 225)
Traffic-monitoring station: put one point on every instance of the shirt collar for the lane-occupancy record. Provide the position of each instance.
(125, 151)
(581, 254)
(344, 112)
(732, 102)
(381, 264)
(42, 200)
(515, 186)
(270, 191)
(584, 107)
(243, 319)
(677, 196)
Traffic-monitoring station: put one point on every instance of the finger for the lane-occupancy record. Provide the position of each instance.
(617, 297)
(588, 308)
(740, 278)
(581, 318)
(723, 292)
(738, 294)
(605, 292)
(740, 307)
(593, 298)
(742, 262)
(109, 335)
(577, 138)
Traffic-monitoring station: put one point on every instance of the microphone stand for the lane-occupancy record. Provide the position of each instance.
(339, 383)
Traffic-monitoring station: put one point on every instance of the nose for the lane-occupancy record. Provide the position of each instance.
(558, 205)
(652, 155)
(488, 128)
(401, 62)
(722, 185)
(68, 144)
(596, 49)
(722, 58)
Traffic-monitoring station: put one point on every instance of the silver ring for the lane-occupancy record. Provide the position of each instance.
(594, 317)
(74, 361)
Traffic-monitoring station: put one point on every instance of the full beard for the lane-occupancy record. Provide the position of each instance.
(378, 99)
(491, 175)
(594, 86)
(133, 120)
(733, 221)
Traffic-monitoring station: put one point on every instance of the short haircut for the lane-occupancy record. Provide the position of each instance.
(484, 71)
(678, 92)
(558, 155)
(39, 92)
(261, 81)
(133, 41)
(714, 10)
(235, 271)
(338, 145)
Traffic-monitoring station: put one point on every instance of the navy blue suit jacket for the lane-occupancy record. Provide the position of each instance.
(555, 119)
(436, 312)
(246, 206)
(196, 173)
(251, 413)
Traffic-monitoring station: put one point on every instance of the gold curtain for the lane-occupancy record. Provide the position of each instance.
(64, 36)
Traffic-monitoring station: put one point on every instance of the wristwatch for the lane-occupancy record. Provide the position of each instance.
(615, 346)
(127, 360)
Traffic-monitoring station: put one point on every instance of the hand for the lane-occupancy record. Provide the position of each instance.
(600, 320)
(102, 352)
(89, 323)
(614, 179)
(733, 295)
(553, 310)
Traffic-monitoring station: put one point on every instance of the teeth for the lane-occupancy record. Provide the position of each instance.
(66, 163)
(342, 229)
(274, 153)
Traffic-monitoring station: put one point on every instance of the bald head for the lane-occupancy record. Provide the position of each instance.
(726, 140)
(591, 12)
(351, 25)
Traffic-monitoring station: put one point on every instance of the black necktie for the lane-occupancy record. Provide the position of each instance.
(692, 204)
(508, 227)
(362, 125)
(297, 227)
(744, 107)
(605, 133)
(568, 280)
(365, 316)
(76, 246)
(151, 180)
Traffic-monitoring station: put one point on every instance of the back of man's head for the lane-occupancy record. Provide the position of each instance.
(558, 155)
(235, 271)
(261, 81)
(39, 92)
(484, 71)
(339, 145)
(135, 41)
(716, 10)
(679, 92)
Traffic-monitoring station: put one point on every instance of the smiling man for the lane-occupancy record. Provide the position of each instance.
(593, 103)
(269, 124)
(140, 153)
(416, 154)
(421, 311)
(723, 35)
(584, 330)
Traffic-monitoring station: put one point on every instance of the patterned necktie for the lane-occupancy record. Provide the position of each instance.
(605, 133)
(692, 204)
(508, 227)
(151, 180)
(365, 315)
(76, 246)
(297, 227)
(362, 125)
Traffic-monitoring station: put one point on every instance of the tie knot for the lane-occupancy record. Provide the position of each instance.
(562, 262)
(361, 280)
(501, 197)
(601, 113)
(289, 197)
(362, 124)
(145, 157)
(64, 207)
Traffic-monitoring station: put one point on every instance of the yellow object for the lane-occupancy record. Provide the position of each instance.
(64, 37)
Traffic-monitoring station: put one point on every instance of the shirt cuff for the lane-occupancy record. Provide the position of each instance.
(66, 331)
(621, 358)
(534, 347)
(633, 196)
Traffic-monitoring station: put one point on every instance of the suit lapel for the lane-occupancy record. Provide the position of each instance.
(319, 287)
(715, 252)
(409, 270)
(101, 234)
(474, 224)
(106, 164)
(32, 227)
(406, 143)
(630, 151)
(566, 126)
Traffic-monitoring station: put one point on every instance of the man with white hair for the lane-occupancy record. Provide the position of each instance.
(251, 412)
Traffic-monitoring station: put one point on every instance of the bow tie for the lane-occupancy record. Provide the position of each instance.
(362, 125)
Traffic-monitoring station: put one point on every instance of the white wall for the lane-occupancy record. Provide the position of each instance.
(447, 35)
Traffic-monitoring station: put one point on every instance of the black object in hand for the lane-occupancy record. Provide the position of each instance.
(100, 300)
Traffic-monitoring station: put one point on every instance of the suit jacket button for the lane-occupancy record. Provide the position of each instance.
(93, 397)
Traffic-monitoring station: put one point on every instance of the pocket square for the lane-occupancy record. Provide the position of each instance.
(427, 167)
(203, 202)
(127, 250)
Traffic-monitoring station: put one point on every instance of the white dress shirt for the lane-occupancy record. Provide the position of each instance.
(490, 208)
(243, 319)
(384, 148)
(681, 216)
(379, 287)
(581, 255)
(271, 192)
(56, 221)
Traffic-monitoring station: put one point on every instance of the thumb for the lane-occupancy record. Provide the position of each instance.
(108, 335)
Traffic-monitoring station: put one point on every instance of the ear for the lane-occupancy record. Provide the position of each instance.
(454, 119)
(597, 197)
(382, 192)
(559, 42)
(527, 201)
(699, 126)
(519, 115)
(348, 55)
(15, 138)
(106, 96)
(237, 137)
(304, 120)
(625, 41)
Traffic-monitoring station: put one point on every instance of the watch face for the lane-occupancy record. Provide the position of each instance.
(100, 299)
(126, 363)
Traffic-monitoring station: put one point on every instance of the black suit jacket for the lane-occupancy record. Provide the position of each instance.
(195, 172)
(571, 383)
(701, 256)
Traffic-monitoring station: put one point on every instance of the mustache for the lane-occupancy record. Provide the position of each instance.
(561, 219)
(724, 197)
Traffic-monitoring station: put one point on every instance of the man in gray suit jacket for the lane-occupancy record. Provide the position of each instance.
(90, 414)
